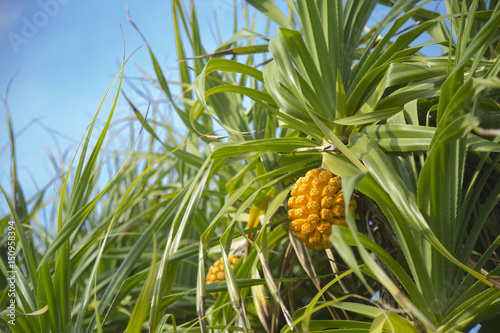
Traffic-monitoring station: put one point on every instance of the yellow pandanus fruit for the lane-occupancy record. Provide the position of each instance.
(317, 203)
(216, 272)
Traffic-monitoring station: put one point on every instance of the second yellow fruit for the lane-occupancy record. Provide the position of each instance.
(216, 272)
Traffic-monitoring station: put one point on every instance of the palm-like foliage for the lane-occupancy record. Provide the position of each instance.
(405, 131)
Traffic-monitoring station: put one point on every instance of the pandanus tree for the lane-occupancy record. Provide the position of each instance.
(411, 133)
(400, 147)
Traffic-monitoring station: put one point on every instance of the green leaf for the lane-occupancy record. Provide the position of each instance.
(47, 297)
(281, 145)
(140, 312)
(269, 9)
(240, 35)
(180, 224)
(366, 118)
(225, 65)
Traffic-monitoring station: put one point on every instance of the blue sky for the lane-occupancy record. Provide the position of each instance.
(66, 53)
